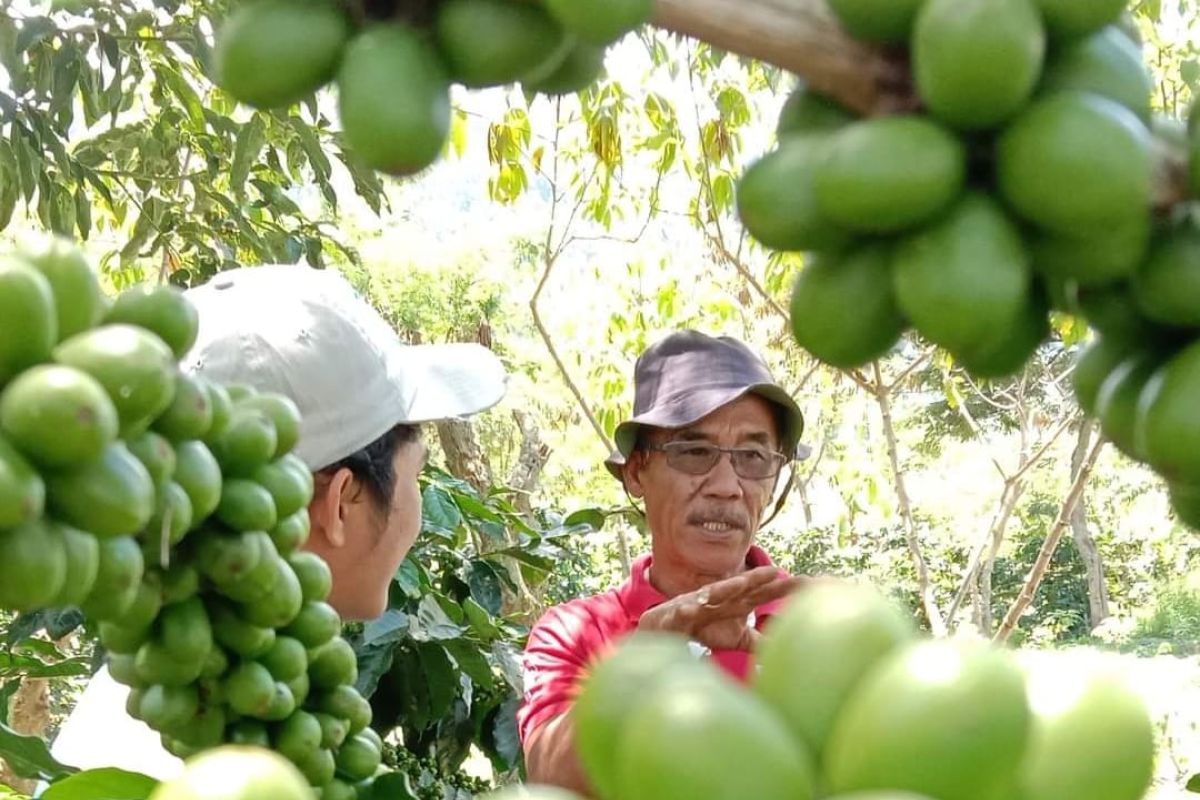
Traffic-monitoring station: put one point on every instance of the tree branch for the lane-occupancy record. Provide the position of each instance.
(933, 615)
(551, 257)
(1038, 572)
(745, 272)
(803, 483)
(1008, 501)
(718, 240)
(1041, 451)
(801, 36)
(967, 416)
(913, 367)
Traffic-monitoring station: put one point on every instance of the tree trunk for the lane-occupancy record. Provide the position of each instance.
(29, 714)
(524, 478)
(1085, 543)
(1038, 572)
(805, 502)
(933, 614)
(981, 597)
(466, 459)
(803, 483)
(464, 456)
(978, 614)
(970, 581)
(998, 532)
(531, 460)
(988, 567)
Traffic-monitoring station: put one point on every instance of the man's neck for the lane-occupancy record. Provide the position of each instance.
(673, 581)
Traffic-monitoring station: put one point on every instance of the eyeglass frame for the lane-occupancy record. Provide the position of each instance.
(781, 459)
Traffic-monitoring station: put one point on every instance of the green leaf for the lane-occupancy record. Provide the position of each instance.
(432, 623)
(9, 195)
(480, 621)
(29, 161)
(66, 78)
(202, 52)
(29, 757)
(390, 786)
(250, 142)
(62, 212)
(9, 57)
(440, 676)
(110, 48)
(508, 661)
(143, 229)
(6, 693)
(183, 90)
(439, 511)
(593, 518)
(473, 507)
(311, 147)
(504, 731)
(403, 695)
(366, 182)
(32, 667)
(7, 793)
(408, 577)
(472, 661)
(484, 584)
(83, 213)
(102, 784)
(723, 192)
(1189, 71)
(41, 647)
(541, 563)
(33, 31)
(1193, 784)
(374, 661)
(390, 627)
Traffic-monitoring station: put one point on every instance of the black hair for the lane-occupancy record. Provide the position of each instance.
(374, 465)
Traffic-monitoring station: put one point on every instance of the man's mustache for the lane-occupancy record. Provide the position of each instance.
(734, 518)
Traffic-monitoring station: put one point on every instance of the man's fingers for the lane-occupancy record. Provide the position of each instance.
(746, 601)
(721, 592)
(773, 591)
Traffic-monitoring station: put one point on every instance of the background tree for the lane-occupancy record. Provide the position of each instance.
(567, 235)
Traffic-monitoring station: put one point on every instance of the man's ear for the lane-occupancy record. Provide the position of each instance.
(328, 507)
(631, 473)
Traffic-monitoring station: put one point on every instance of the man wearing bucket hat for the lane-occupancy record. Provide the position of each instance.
(710, 436)
(362, 395)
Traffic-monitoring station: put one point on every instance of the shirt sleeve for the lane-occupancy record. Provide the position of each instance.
(100, 733)
(557, 655)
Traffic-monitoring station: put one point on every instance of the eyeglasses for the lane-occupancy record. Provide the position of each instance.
(698, 458)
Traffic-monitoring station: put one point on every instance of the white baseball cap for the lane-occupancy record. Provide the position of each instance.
(307, 334)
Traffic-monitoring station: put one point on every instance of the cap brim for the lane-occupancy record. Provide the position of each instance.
(696, 407)
(452, 381)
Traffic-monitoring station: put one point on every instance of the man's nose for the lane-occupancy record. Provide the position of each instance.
(722, 480)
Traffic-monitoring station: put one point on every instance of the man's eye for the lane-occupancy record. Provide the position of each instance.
(754, 455)
(699, 451)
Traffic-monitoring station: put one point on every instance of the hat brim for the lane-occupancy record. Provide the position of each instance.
(695, 406)
(452, 381)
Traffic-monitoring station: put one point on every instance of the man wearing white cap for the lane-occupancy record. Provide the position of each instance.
(362, 395)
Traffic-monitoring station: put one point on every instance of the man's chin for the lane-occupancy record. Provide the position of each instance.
(719, 554)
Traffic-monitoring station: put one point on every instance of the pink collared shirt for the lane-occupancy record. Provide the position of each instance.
(571, 637)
